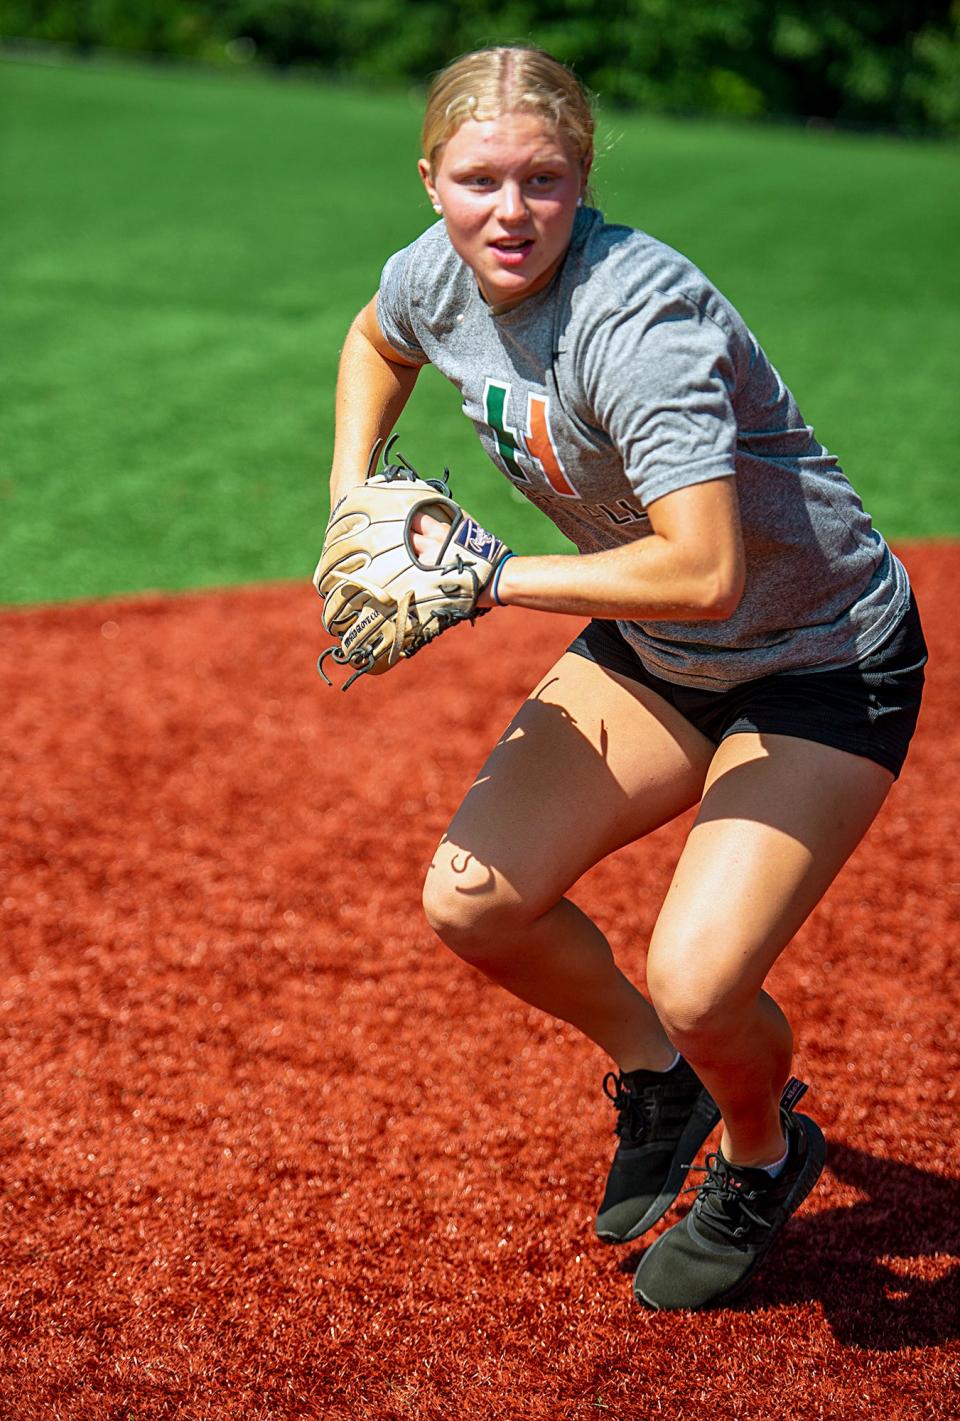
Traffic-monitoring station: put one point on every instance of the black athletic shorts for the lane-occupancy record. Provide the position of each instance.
(869, 708)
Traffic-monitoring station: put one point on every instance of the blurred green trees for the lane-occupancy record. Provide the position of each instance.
(892, 63)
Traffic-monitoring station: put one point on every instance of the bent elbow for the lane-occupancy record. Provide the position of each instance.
(723, 593)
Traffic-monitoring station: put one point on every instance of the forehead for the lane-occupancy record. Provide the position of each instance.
(513, 138)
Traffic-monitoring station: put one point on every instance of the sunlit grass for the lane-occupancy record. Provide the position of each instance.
(182, 255)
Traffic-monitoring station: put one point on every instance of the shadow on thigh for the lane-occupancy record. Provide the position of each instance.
(590, 762)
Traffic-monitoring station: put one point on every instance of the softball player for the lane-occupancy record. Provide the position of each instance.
(751, 646)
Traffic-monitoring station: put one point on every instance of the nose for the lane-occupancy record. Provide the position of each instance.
(510, 205)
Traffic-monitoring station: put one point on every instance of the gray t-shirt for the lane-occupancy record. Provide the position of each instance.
(631, 376)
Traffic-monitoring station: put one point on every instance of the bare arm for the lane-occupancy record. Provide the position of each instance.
(690, 569)
(373, 386)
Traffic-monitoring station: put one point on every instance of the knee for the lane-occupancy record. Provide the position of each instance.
(454, 916)
(475, 913)
(696, 1005)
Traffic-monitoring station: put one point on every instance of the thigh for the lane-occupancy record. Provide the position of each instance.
(779, 818)
(591, 761)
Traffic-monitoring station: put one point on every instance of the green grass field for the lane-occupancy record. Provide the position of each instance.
(183, 252)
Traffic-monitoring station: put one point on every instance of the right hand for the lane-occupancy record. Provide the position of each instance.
(428, 535)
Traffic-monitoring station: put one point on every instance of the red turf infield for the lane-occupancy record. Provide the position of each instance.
(270, 1152)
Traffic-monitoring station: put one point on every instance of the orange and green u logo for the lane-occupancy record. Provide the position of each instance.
(536, 442)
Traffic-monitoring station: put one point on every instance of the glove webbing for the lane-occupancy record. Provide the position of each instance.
(400, 624)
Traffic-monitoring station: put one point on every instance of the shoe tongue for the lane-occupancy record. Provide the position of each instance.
(748, 1176)
(716, 1217)
(719, 1212)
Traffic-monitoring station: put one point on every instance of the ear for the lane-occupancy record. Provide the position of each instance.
(423, 167)
(585, 167)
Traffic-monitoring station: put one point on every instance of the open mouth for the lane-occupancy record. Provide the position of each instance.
(512, 251)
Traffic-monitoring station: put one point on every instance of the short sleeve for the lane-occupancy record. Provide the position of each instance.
(395, 307)
(659, 380)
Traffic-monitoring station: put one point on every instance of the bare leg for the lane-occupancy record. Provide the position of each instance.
(591, 762)
(779, 818)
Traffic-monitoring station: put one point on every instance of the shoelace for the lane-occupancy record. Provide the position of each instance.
(723, 1200)
(636, 1112)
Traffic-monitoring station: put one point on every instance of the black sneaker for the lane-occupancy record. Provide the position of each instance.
(663, 1119)
(712, 1254)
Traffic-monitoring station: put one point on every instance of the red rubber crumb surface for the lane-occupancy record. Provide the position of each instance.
(270, 1152)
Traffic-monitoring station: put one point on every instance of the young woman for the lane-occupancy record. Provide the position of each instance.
(752, 646)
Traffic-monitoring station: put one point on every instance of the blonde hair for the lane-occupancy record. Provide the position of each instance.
(487, 83)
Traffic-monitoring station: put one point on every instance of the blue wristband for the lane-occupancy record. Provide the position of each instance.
(494, 598)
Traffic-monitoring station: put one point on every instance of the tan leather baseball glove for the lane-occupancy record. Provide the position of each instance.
(379, 600)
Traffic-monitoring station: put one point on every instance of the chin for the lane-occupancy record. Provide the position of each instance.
(510, 287)
(503, 290)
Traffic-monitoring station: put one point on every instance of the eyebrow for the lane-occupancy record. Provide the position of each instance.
(540, 160)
